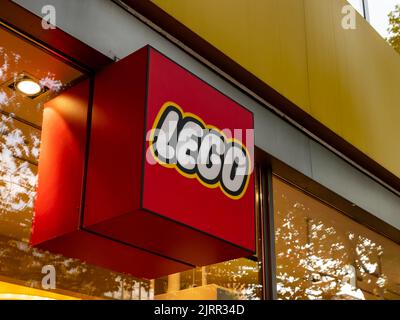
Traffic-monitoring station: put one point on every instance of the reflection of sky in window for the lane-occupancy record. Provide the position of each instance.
(357, 4)
(378, 13)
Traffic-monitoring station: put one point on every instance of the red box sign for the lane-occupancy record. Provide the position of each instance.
(167, 177)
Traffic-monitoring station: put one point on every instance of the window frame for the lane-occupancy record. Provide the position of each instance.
(266, 167)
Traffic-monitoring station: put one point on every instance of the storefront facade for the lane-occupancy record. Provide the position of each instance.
(326, 215)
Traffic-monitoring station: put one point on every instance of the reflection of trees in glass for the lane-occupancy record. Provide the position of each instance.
(315, 260)
(394, 28)
(307, 268)
(19, 154)
(19, 151)
(17, 178)
(240, 275)
(21, 262)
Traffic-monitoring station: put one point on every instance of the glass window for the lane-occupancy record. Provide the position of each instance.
(384, 17)
(323, 254)
(238, 279)
(358, 5)
(378, 12)
(20, 130)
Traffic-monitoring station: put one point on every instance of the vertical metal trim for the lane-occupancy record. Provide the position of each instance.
(89, 114)
(365, 10)
(268, 234)
(259, 231)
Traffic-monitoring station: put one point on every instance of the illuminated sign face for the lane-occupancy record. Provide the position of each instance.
(183, 141)
(167, 171)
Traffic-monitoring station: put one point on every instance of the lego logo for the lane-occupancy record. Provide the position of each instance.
(196, 150)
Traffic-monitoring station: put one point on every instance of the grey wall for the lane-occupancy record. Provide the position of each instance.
(109, 29)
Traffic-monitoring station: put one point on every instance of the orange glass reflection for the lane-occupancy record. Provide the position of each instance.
(323, 254)
(20, 133)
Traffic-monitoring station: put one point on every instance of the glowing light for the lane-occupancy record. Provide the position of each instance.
(15, 296)
(28, 87)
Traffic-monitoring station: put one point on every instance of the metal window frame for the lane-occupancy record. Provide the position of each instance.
(268, 167)
(266, 213)
(365, 10)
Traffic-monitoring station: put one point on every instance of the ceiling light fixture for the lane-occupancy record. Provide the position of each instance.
(29, 87)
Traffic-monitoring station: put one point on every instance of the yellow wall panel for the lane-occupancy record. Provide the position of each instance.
(10, 291)
(265, 36)
(347, 79)
(369, 92)
(292, 45)
(322, 62)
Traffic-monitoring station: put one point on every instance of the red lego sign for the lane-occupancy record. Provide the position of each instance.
(167, 175)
